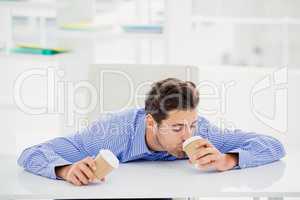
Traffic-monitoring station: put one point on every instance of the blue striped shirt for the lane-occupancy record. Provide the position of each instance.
(124, 134)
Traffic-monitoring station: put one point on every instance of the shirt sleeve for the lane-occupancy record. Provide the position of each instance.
(253, 149)
(42, 159)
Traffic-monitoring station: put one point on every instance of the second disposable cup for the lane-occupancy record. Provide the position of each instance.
(106, 162)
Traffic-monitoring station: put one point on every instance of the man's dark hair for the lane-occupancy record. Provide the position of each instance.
(170, 94)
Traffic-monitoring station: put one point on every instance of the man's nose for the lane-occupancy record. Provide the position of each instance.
(187, 133)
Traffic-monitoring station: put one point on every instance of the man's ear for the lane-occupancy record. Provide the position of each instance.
(151, 124)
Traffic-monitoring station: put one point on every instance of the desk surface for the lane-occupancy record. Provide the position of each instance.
(159, 179)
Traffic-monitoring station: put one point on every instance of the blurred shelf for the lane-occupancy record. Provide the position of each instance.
(250, 21)
(54, 32)
(26, 4)
(102, 35)
(31, 8)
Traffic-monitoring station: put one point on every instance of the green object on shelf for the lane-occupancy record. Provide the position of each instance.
(82, 26)
(38, 50)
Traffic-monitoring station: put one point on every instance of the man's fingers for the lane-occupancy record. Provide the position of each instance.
(82, 178)
(203, 152)
(87, 171)
(91, 163)
(203, 143)
(206, 166)
(82, 173)
(74, 180)
(207, 159)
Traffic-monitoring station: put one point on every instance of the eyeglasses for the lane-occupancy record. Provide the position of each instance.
(167, 128)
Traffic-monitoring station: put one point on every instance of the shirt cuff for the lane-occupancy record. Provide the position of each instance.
(244, 157)
(56, 163)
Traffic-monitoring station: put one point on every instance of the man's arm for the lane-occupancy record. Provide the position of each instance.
(43, 159)
(251, 149)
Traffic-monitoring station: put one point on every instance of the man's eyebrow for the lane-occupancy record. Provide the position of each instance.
(178, 124)
(182, 124)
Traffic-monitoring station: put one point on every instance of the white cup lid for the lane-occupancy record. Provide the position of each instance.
(191, 139)
(108, 156)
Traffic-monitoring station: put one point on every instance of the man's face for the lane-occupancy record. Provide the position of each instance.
(173, 131)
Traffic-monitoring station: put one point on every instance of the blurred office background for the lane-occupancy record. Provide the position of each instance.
(237, 40)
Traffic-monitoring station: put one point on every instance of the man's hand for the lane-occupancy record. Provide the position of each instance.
(208, 156)
(79, 173)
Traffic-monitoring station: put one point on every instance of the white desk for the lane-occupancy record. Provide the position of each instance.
(159, 179)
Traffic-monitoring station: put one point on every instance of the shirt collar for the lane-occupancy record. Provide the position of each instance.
(139, 146)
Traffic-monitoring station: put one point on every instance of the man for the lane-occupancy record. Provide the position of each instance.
(155, 132)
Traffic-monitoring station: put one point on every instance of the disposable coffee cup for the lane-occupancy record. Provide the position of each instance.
(106, 162)
(189, 146)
